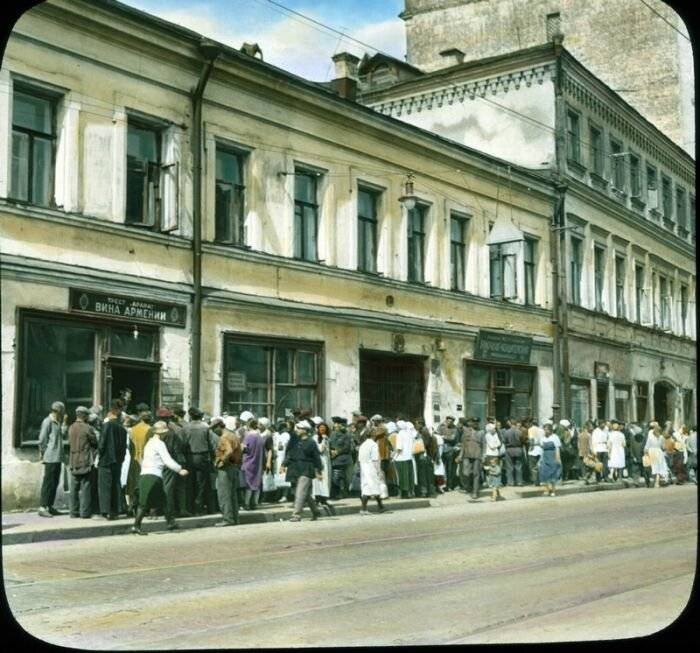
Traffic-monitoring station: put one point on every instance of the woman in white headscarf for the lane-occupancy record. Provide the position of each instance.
(321, 488)
(403, 459)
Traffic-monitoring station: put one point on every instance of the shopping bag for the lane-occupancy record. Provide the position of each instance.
(268, 483)
(280, 481)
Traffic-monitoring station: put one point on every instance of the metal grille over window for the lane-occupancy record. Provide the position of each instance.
(33, 148)
(230, 196)
(305, 215)
(367, 201)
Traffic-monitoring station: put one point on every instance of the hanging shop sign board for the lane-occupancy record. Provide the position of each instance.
(134, 310)
(502, 347)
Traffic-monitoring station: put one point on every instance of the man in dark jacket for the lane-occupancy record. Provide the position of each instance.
(340, 444)
(514, 452)
(111, 449)
(174, 484)
(227, 460)
(308, 465)
(83, 447)
(202, 444)
(51, 437)
(448, 431)
(471, 450)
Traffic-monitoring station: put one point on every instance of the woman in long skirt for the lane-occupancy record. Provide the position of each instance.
(280, 440)
(251, 467)
(373, 483)
(151, 492)
(616, 454)
(550, 462)
(321, 489)
(654, 449)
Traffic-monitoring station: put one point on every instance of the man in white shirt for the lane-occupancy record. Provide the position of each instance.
(599, 445)
(534, 450)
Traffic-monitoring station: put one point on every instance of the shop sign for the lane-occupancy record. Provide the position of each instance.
(236, 382)
(502, 347)
(128, 308)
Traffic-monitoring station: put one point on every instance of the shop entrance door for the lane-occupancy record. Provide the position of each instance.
(663, 395)
(502, 404)
(392, 385)
(136, 383)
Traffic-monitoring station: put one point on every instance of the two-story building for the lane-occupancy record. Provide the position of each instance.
(183, 223)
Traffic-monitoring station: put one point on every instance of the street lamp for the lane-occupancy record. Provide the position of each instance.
(408, 199)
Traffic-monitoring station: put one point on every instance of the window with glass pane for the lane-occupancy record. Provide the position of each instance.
(502, 272)
(33, 141)
(596, 146)
(305, 215)
(681, 214)
(667, 198)
(622, 398)
(530, 250)
(458, 236)
(416, 242)
(618, 164)
(575, 271)
(642, 400)
(599, 276)
(367, 201)
(684, 310)
(639, 291)
(230, 197)
(652, 188)
(59, 365)
(574, 136)
(663, 294)
(123, 344)
(635, 176)
(143, 203)
(580, 403)
(620, 286)
(267, 378)
(655, 304)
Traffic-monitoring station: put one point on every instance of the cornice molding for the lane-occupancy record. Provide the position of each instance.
(463, 91)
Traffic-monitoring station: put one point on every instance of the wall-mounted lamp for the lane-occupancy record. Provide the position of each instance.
(135, 332)
(408, 199)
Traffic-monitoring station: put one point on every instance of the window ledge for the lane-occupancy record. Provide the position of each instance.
(637, 203)
(576, 166)
(597, 181)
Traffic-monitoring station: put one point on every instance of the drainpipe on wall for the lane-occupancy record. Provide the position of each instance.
(210, 51)
(561, 403)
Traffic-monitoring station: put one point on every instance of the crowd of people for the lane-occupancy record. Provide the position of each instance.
(179, 463)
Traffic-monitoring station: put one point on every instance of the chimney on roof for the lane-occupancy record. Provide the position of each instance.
(345, 82)
(452, 56)
(252, 50)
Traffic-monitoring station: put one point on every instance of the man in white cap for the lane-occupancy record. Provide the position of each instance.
(53, 429)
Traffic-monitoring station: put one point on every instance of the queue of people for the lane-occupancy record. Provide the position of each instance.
(181, 464)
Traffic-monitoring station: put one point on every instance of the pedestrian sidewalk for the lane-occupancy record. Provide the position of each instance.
(28, 527)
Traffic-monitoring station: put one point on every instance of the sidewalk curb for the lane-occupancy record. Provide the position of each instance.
(123, 526)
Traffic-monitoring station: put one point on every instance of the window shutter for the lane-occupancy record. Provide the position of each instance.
(100, 169)
(170, 179)
(510, 277)
(646, 308)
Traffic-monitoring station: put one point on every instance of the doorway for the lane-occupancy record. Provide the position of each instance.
(392, 385)
(502, 406)
(135, 384)
(663, 397)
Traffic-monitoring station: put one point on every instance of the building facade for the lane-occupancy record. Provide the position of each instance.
(627, 32)
(626, 217)
(182, 223)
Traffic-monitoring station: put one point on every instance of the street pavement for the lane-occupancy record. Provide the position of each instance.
(592, 566)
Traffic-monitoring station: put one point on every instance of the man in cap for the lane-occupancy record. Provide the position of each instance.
(174, 484)
(341, 457)
(514, 453)
(227, 461)
(53, 429)
(82, 440)
(448, 431)
(308, 465)
(111, 448)
(470, 457)
(202, 444)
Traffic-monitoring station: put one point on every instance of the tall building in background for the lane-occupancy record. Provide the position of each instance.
(640, 49)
